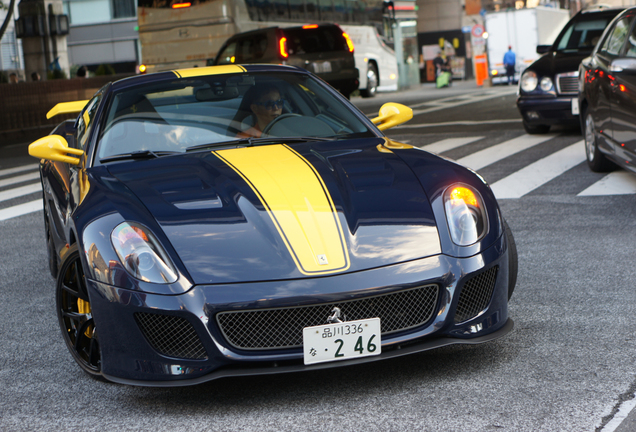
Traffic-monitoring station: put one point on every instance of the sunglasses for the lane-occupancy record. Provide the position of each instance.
(270, 105)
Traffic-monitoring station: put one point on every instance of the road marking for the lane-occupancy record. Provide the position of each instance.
(616, 183)
(623, 412)
(449, 144)
(21, 191)
(480, 98)
(9, 171)
(20, 210)
(20, 179)
(493, 154)
(540, 172)
(457, 123)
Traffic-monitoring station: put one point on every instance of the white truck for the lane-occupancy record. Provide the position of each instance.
(523, 30)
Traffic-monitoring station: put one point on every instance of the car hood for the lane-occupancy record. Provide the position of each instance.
(554, 63)
(282, 212)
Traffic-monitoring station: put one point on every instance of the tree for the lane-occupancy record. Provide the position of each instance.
(5, 24)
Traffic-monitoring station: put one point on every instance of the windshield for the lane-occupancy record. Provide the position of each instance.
(192, 112)
(581, 35)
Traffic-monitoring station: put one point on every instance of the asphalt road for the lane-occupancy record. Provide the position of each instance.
(568, 365)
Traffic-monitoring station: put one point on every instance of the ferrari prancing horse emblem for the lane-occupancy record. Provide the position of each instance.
(322, 260)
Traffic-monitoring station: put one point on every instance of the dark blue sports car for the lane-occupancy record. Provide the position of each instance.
(236, 220)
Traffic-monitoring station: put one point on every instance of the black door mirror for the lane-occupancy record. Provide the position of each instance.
(542, 49)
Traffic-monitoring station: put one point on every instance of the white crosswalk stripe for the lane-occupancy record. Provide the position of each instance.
(616, 183)
(20, 209)
(449, 144)
(540, 172)
(19, 179)
(501, 151)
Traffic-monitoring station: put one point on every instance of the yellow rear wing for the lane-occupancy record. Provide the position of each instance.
(66, 108)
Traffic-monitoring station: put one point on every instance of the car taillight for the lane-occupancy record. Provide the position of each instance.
(310, 26)
(181, 5)
(349, 41)
(282, 47)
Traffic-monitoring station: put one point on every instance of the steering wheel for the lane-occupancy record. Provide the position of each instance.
(277, 119)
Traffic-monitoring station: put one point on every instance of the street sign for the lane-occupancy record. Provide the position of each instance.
(477, 30)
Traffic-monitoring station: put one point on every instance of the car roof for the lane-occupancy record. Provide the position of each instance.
(202, 71)
(601, 11)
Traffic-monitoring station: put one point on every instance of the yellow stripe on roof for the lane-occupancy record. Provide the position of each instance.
(209, 70)
(298, 203)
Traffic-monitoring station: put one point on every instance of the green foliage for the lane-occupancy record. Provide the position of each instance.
(56, 74)
(104, 69)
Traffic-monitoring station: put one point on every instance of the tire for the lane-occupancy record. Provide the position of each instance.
(536, 129)
(372, 82)
(513, 259)
(596, 160)
(75, 315)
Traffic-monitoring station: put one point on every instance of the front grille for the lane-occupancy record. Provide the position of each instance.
(568, 84)
(476, 294)
(283, 327)
(171, 336)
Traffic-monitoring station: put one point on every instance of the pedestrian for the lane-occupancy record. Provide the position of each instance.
(35, 76)
(510, 61)
(13, 78)
(82, 72)
(438, 62)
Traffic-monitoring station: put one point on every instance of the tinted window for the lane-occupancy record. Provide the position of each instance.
(173, 116)
(582, 35)
(617, 36)
(321, 39)
(86, 120)
(631, 44)
(248, 50)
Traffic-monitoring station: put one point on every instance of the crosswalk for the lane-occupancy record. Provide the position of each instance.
(20, 190)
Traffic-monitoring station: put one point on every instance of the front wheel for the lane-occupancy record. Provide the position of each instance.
(372, 82)
(596, 160)
(75, 315)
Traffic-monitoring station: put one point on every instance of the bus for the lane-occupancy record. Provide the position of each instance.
(177, 34)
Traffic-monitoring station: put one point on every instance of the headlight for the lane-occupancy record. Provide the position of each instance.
(465, 214)
(546, 84)
(529, 81)
(141, 254)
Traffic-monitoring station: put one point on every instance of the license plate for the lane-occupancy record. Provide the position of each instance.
(342, 341)
(322, 67)
(575, 107)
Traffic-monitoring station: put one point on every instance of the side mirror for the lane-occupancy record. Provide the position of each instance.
(542, 49)
(623, 65)
(55, 148)
(392, 114)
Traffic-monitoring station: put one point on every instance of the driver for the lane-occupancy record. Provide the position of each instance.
(266, 104)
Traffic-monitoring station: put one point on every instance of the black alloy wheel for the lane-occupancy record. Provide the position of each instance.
(596, 160)
(372, 82)
(75, 316)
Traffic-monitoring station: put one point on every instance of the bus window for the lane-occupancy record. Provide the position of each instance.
(297, 10)
(326, 10)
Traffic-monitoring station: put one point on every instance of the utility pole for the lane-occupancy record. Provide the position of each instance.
(43, 27)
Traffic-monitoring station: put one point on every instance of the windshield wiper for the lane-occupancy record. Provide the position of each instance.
(252, 141)
(141, 154)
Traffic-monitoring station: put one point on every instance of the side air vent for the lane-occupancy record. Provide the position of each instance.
(171, 336)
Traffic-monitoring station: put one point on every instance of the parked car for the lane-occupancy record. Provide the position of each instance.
(323, 49)
(607, 100)
(548, 88)
(184, 250)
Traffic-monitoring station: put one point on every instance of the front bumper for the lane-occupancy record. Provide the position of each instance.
(128, 356)
(547, 111)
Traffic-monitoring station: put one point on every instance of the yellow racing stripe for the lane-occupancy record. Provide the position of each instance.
(209, 70)
(298, 203)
